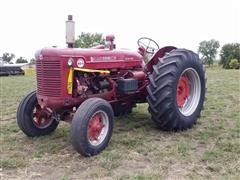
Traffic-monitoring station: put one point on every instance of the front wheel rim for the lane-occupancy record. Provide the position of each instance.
(98, 128)
(40, 118)
(188, 91)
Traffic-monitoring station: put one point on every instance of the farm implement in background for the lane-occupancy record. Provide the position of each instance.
(11, 69)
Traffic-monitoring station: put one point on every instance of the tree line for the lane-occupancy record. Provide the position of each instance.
(229, 53)
(8, 57)
(208, 50)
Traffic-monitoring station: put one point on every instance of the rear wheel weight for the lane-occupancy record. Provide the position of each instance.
(177, 90)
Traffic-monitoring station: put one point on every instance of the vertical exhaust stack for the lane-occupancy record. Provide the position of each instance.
(70, 32)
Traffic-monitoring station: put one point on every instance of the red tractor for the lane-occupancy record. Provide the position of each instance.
(88, 87)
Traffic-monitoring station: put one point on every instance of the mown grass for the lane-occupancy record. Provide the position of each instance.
(210, 150)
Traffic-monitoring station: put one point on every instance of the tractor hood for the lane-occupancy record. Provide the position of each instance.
(95, 58)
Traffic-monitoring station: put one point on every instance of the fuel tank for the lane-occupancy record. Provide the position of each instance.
(96, 58)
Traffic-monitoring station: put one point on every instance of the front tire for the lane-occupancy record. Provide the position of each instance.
(92, 126)
(177, 90)
(31, 118)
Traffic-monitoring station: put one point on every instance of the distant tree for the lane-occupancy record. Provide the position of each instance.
(86, 40)
(32, 61)
(208, 49)
(7, 57)
(21, 60)
(234, 64)
(229, 52)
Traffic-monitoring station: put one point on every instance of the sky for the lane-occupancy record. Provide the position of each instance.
(29, 25)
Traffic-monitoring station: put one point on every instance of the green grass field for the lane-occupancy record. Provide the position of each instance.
(137, 150)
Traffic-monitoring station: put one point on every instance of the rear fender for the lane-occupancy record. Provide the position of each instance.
(159, 54)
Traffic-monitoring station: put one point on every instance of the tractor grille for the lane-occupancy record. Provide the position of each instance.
(49, 77)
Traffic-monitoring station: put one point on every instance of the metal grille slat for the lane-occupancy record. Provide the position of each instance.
(49, 77)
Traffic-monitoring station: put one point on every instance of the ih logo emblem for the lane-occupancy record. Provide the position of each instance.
(80, 62)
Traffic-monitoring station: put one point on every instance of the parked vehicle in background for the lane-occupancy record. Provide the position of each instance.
(11, 69)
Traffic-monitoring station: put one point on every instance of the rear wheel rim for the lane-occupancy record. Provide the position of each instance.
(98, 127)
(188, 91)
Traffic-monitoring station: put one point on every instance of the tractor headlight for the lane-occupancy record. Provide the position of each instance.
(80, 62)
(70, 62)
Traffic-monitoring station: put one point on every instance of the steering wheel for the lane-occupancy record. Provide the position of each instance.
(149, 44)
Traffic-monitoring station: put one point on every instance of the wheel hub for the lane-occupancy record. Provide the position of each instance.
(95, 127)
(41, 119)
(183, 90)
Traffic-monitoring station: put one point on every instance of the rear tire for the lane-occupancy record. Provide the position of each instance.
(26, 119)
(177, 90)
(92, 127)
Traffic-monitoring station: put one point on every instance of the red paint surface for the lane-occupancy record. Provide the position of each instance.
(96, 58)
(41, 117)
(95, 127)
(183, 90)
(52, 74)
(159, 54)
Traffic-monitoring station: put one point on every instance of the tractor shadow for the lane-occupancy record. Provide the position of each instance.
(138, 119)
